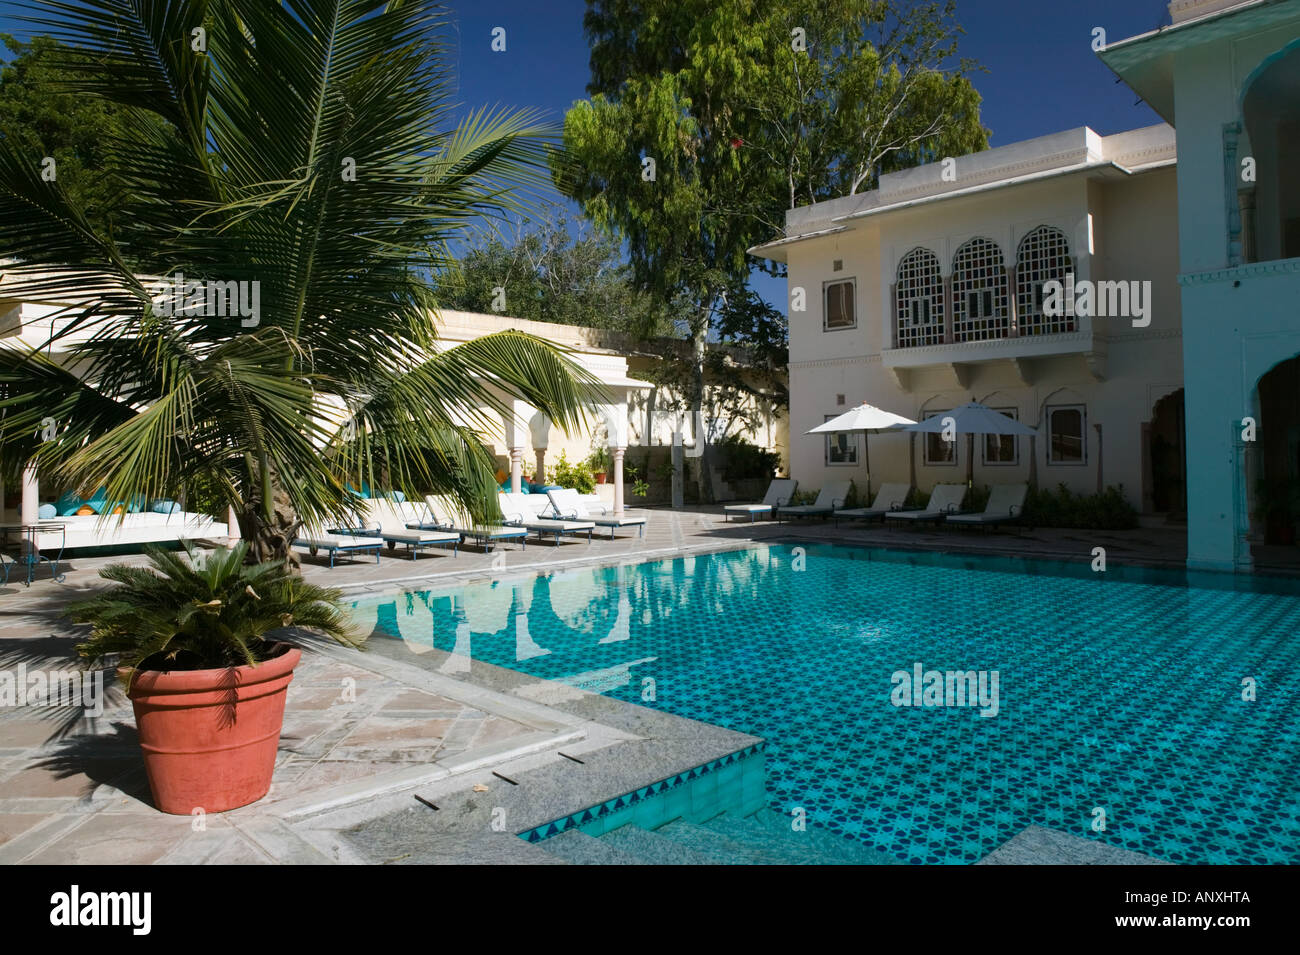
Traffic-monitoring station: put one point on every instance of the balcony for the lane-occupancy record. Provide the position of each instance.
(962, 344)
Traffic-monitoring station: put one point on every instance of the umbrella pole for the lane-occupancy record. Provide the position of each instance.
(866, 457)
(970, 461)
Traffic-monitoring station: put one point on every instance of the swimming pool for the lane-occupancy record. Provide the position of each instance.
(1119, 700)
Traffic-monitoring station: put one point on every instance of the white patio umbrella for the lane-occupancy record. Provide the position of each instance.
(865, 418)
(972, 418)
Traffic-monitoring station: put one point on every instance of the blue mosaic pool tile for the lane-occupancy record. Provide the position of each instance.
(1119, 691)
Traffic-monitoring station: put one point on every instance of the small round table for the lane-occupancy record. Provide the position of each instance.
(25, 538)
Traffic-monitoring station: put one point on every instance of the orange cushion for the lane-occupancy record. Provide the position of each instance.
(85, 509)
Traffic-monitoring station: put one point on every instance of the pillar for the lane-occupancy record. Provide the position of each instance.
(617, 455)
(232, 523)
(539, 432)
(516, 469)
(30, 505)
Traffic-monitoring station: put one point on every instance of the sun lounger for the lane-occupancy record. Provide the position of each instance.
(567, 504)
(1006, 503)
(889, 498)
(832, 495)
(314, 539)
(517, 509)
(778, 494)
(390, 525)
(945, 501)
(444, 515)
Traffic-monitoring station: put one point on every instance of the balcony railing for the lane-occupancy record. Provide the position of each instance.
(909, 334)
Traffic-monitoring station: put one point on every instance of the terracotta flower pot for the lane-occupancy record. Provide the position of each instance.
(210, 737)
(600, 477)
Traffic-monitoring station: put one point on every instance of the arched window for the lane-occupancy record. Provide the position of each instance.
(918, 299)
(1043, 256)
(979, 292)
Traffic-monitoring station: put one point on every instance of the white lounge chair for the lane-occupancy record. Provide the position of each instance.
(889, 498)
(315, 539)
(778, 495)
(1006, 503)
(832, 495)
(567, 504)
(945, 501)
(445, 515)
(517, 509)
(390, 525)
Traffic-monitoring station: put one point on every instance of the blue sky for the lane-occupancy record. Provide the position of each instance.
(1042, 74)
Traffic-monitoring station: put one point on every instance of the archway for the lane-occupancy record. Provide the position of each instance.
(1167, 458)
(1270, 109)
(1275, 494)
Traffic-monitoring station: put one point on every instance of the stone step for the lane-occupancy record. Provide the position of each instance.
(578, 848)
(650, 848)
(818, 846)
(732, 848)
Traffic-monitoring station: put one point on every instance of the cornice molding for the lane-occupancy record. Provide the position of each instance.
(1253, 270)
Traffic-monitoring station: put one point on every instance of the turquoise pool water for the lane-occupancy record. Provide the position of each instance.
(1113, 694)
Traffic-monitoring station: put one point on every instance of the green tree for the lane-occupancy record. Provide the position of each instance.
(40, 117)
(306, 150)
(539, 270)
(706, 122)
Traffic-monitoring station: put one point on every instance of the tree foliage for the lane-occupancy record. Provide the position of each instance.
(539, 270)
(40, 117)
(705, 123)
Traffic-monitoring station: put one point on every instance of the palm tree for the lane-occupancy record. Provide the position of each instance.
(303, 148)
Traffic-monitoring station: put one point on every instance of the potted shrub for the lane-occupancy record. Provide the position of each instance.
(195, 640)
(600, 463)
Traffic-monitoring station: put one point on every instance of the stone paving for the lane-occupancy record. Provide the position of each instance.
(365, 732)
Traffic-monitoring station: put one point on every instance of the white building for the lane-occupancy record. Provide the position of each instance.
(1226, 73)
(928, 292)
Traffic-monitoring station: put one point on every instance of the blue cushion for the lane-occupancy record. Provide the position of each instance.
(46, 511)
(364, 492)
(98, 502)
(68, 504)
(165, 507)
(396, 496)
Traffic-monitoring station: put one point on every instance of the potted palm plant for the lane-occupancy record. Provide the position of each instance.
(195, 639)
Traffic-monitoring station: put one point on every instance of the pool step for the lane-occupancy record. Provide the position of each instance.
(770, 832)
(763, 838)
(578, 848)
(650, 848)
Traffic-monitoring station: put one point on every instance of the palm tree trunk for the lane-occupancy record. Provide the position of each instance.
(268, 521)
